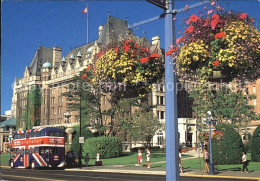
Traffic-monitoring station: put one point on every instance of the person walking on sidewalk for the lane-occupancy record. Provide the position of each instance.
(206, 160)
(86, 159)
(148, 155)
(245, 162)
(139, 158)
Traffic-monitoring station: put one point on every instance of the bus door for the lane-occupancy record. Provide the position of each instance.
(55, 156)
(44, 154)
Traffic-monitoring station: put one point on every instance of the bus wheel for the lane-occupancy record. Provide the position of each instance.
(12, 164)
(33, 165)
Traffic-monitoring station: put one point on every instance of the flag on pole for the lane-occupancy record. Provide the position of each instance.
(85, 10)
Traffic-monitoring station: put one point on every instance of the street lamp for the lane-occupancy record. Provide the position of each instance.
(210, 121)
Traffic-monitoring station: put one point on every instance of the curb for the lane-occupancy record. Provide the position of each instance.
(221, 176)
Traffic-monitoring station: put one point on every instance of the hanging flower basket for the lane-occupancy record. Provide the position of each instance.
(128, 68)
(226, 42)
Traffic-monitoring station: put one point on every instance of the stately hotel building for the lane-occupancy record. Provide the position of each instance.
(53, 72)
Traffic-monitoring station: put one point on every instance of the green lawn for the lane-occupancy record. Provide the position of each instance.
(4, 158)
(198, 163)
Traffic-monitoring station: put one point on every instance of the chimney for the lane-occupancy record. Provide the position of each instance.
(56, 55)
(156, 41)
(100, 28)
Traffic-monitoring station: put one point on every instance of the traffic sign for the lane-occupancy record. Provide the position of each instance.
(159, 3)
(81, 139)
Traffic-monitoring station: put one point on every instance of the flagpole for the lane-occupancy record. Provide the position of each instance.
(87, 24)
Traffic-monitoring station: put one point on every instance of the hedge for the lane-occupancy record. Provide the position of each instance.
(255, 145)
(229, 149)
(75, 142)
(108, 147)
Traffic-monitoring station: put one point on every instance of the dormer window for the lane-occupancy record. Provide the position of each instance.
(72, 56)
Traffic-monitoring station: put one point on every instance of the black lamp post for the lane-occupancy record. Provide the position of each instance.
(213, 122)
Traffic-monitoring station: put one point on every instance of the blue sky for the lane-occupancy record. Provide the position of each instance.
(61, 23)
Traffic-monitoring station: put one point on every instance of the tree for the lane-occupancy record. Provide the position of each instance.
(255, 145)
(32, 114)
(90, 96)
(226, 106)
(229, 149)
(141, 126)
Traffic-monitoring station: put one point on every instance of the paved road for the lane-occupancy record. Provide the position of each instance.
(61, 175)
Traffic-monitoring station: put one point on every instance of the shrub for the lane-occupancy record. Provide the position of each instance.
(75, 142)
(108, 147)
(229, 149)
(255, 145)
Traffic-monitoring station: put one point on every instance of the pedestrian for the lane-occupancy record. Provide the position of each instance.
(148, 155)
(139, 158)
(86, 160)
(245, 162)
(206, 160)
(180, 162)
(98, 155)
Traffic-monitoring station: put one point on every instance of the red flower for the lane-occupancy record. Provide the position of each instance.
(194, 18)
(116, 49)
(126, 48)
(214, 23)
(83, 76)
(189, 30)
(144, 60)
(243, 16)
(215, 16)
(215, 63)
(100, 53)
(145, 50)
(154, 55)
(171, 51)
(136, 45)
(89, 67)
(220, 35)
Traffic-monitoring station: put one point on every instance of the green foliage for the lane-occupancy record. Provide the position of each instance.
(84, 133)
(229, 149)
(32, 114)
(255, 146)
(225, 104)
(142, 126)
(108, 147)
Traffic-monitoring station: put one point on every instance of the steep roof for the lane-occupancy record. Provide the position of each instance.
(113, 29)
(42, 55)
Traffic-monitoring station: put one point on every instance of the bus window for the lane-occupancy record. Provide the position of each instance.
(26, 151)
(57, 134)
(38, 134)
(17, 151)
(32, 133)
(36, 150)
(21, 151)
(31, 151)
(42, 132)
(28, 135)
(52, 133)
(54, 151)
(41, 151)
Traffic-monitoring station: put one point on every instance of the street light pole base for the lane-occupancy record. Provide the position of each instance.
(211, 169)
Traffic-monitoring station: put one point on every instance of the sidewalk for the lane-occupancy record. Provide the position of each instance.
(132, 169)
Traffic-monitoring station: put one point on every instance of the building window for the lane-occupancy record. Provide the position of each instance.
(158, 100)
(254, 102)
(52, 100)
(162, 114)
(160, 138)
(45, 100)
(162, 100)
(246, 91)
(158, 114)
(254, 89)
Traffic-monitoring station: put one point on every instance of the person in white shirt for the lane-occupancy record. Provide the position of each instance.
(244, 161)
(148, 154)
(98, 155)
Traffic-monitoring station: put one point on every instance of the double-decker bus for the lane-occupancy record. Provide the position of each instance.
(41, 147)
